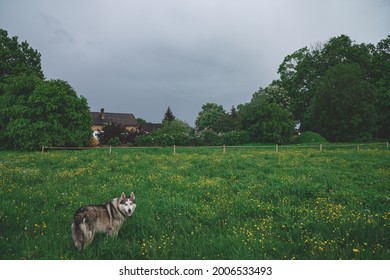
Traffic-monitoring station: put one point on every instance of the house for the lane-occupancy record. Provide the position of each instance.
(99, 119)
(150, 127)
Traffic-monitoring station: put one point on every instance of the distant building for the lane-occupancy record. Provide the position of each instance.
(99, 119)
(150, 127)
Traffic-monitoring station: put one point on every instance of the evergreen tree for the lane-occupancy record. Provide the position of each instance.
(168, 117)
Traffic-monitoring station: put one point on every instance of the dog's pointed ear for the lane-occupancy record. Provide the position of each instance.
(123, 196)
(132, 196)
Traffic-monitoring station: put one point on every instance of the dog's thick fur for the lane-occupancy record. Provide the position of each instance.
(105, 218)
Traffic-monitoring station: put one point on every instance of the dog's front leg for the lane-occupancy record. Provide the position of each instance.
(114, 232)
(110, 231)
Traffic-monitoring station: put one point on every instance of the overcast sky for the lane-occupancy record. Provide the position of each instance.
(141, 56)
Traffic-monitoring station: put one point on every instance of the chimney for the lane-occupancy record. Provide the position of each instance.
(102, 113)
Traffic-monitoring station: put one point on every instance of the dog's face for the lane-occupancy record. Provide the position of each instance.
(127, 204)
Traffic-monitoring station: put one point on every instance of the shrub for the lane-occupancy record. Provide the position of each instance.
(114, 142)
(144, 141)
(235, 137)
(119, 131)
(208, 137)
(310, 137)
(111, 131)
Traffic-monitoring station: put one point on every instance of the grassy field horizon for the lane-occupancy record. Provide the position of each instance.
(201, 203)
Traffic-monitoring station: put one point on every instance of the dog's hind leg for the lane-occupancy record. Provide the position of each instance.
(88, 234)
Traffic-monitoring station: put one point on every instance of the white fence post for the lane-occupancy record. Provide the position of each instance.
(277, 148)
(174, 149)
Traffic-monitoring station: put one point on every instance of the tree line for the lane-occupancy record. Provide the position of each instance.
(338, 89)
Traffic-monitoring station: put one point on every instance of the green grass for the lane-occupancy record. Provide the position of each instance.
(201, 204)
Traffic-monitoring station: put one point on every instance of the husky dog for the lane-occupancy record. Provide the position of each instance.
(105, 218)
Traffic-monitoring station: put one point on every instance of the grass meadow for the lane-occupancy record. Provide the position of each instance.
(249, 203)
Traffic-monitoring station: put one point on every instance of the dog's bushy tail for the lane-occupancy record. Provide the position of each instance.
(78, 235)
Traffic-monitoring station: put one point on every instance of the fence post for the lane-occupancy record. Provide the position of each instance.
(110, 149)
(320, 147)
(43, 149)
(174, 149)
(224, 149)
(387, 143)
(277, 148)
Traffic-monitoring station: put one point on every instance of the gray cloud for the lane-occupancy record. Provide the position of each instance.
(143, 56)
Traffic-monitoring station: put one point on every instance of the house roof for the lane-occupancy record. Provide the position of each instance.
(150, 127)
(120, 118)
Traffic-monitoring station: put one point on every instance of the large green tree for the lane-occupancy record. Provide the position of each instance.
(175, 132)
(18, 58)
(380, 78)
(343, 105)
(275, 93)
(210, 114)
(34, 111)
(265, 119)
(302, 71)
(297, 73)
(213, 117)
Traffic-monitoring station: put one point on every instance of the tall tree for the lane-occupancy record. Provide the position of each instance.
(175, 132)
(14, 107)
(36, 113)
(210, 114)
(297, 73)
(168, 116)
(275, 93)
(380, 77)
(33, 111)
(266, 120)
(343, 106)
(304, 72)
(17, 58)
